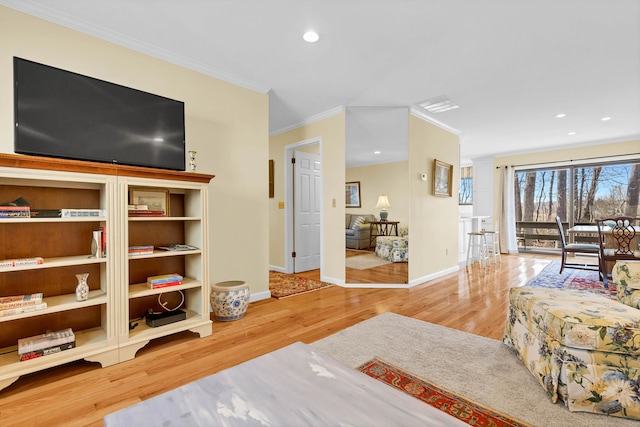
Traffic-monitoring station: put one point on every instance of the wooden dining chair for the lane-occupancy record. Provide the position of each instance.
(576, 248)
(618, 241)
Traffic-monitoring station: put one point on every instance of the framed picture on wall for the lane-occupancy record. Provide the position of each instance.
(442, 178)
(352, 194)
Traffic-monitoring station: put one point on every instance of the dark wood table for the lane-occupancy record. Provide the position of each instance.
(382, 228)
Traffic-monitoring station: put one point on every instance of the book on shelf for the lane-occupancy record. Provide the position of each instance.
(46, 340)
(164, 284)
(20, 300)
(164, 278)
(47, 351)
(81, 213)
(15, 212)
(138, 207)
(178, 247)
(45, 213)
(141, 250)
(164, 281)
(21, 261)
(14, 208)
(12, 311)
(104, 240)
(142, 212)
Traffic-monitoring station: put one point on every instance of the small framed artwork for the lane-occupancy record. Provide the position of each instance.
(442, 178)
(352, 194)
(154, 199)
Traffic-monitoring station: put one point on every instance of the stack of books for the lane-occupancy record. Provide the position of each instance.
(143, 210)
(45, 344)
(81, 213)
(164, 280)
(15, 212)
(12, 305)
(140, 250)
(21, 261)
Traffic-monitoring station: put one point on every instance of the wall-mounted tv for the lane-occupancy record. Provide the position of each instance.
(62, 114)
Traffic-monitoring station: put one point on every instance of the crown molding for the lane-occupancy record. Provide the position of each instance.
(49, 14)
(312, 119)
(423, 116)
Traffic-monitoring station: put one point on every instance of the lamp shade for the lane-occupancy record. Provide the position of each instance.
(383, 202)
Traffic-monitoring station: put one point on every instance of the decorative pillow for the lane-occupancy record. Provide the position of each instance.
(357, 222)
(627, 273)
(626, 276)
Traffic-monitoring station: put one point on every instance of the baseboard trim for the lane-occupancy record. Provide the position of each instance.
(259, 296)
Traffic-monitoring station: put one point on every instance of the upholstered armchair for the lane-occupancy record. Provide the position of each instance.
(358, 230)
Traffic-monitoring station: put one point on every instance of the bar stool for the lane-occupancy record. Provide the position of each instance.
(477, 249)
(493, 245)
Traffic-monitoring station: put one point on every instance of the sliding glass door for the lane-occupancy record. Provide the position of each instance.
(577, 194)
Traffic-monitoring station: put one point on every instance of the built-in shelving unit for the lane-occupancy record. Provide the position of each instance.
(118, 291)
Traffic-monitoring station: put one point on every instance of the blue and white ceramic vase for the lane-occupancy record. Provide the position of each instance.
(229, 300)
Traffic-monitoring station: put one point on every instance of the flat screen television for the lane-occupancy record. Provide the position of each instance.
(62, 114)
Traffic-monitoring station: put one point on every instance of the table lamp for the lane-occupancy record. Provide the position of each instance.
(383, 204)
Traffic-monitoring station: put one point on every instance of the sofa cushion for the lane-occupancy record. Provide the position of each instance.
(626, 276)
(357, 221)
(580, 319)
(627, 273)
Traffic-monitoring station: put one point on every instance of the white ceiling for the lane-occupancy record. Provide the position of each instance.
(511, 65)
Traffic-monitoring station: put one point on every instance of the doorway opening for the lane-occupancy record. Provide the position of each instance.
(313, 145)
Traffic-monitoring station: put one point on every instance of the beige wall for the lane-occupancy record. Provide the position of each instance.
(433, 220)
(391, 179)
(227, 126)
(331, 132)
(602, 151)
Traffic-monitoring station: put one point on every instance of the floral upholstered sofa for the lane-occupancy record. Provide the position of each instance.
(394, 248)
(582, 347)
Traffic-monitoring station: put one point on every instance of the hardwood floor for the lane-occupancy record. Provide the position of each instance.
(81, 393)
(394, 272)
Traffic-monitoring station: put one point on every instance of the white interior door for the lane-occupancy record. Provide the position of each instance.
(306, 211)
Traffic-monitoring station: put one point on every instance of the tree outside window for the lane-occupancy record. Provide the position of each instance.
(465, 196)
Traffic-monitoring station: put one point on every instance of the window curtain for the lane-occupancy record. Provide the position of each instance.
(507, 212)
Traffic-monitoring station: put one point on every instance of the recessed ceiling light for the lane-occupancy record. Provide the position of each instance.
(157, 139)
(572, 133)
(311, 36)
(376, 152)
(561, 115)
(604, 119)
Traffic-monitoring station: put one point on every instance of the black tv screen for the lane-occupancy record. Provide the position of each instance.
(63, 114)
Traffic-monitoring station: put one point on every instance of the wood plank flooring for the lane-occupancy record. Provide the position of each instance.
(81, 393)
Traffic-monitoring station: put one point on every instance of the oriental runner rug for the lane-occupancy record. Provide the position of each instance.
(570, 278)
(440, 398)
(283, 285)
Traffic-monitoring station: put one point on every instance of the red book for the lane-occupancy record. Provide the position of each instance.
(164, 284)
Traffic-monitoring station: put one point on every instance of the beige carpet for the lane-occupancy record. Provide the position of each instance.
(363, 262)
(481, 369)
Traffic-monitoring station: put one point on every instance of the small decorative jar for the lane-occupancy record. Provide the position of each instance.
(82, 290)
(229, 300)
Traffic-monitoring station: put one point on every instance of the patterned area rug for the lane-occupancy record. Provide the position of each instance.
(284, 285)
(451, 403)
(572, 279)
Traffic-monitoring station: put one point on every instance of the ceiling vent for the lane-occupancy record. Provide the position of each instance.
(438, 105)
